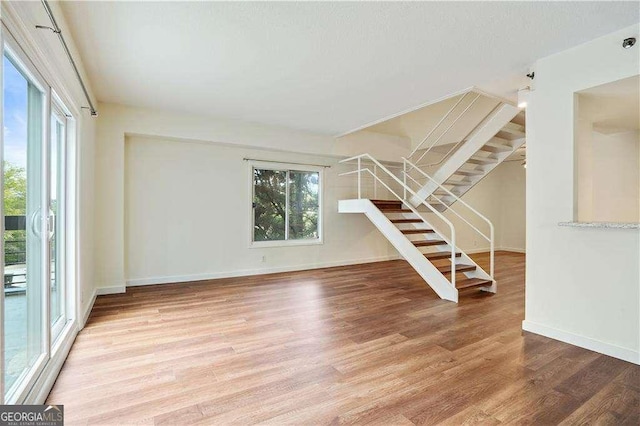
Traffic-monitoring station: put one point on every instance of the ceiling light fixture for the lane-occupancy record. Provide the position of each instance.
(628, 43)
(523, 97)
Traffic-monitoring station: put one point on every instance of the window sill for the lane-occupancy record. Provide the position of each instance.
(602, 225)
(285, 243)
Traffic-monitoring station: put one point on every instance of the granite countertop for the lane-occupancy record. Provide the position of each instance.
(602, 225)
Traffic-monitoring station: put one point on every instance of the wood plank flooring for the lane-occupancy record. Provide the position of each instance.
(365, 344)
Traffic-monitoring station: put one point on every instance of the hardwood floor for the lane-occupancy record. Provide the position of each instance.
(365, 344)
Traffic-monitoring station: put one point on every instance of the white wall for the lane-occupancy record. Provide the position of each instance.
(609, 175)
(500, 197)
(196, 133)
(187, 215)
(582, 285)
(164, 136)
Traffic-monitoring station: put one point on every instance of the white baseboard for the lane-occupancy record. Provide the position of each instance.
(87, 309)
(247, 272)
(101, 291)
(513, 249)
(477, 250)
(486, 250)
(583, 342)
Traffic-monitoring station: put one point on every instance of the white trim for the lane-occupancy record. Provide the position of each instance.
(609, 349)
(41, 388)
(88, 308)
(247, 272)
(286, 243)
(512, 249)
(477, 250)
(116, 289)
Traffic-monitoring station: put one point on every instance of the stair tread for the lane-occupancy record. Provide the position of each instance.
(496, 147)
(417, 231)
(440, 255)
(459, 268)
(387, 202)
(482, 160)
(407, 221)
(472, 282)
(394, 210)
(468, 172)
(513, 130)
(509, 135)
(443, 192)
(458, 183)
(427, 243)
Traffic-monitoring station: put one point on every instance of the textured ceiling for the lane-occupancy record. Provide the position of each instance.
(324, 67)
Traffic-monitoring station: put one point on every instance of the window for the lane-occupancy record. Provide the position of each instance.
(286, 206)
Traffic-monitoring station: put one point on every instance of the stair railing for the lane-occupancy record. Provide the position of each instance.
(453, 123)
(489, 238)
(378, 166)
(457, 144)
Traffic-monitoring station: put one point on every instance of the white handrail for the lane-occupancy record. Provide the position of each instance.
(451, 242)
(456, 213)
(459, 200)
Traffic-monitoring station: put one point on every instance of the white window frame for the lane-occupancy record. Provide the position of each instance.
(255, 164)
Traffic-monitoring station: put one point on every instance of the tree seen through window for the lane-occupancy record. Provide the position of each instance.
(275, 218)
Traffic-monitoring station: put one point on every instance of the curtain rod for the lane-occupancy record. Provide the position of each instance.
(287, 162)
(56, 29)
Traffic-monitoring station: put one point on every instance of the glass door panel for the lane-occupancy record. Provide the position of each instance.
(56, 222)
(23, 127)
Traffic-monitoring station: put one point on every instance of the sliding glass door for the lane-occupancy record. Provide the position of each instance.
(24, 331)
(37, 298)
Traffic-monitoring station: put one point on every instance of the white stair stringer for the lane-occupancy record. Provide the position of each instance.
(478, 273)
(459, 191)
(412, 254)
(462, 259)
(499, 121)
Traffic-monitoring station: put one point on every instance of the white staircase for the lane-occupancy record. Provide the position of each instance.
(411, 217)
(431, 250)
(493, 141)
